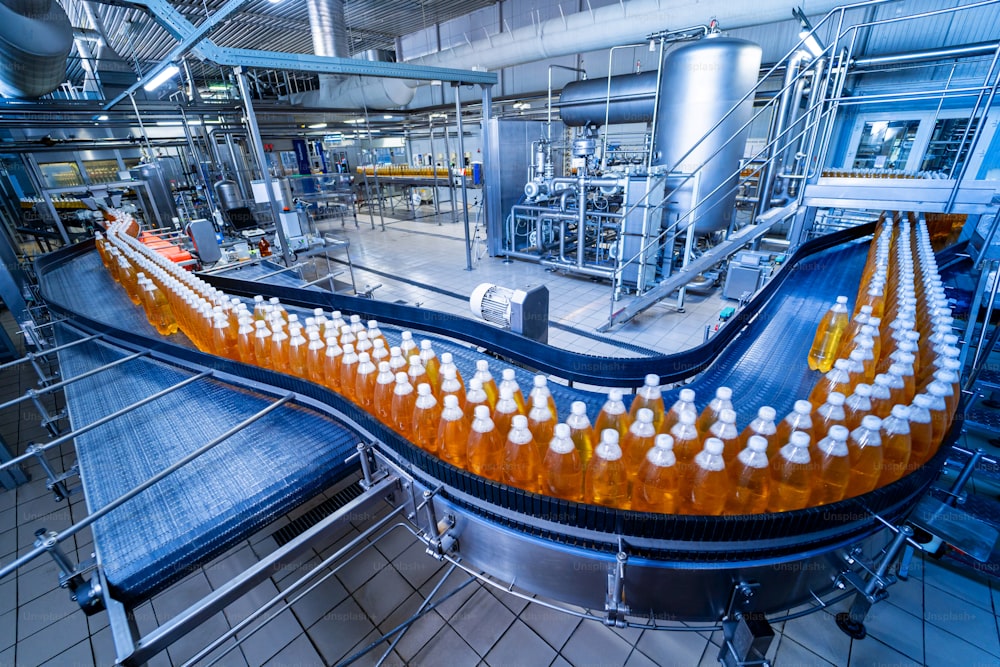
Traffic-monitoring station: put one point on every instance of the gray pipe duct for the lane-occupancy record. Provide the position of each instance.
(329, 34)
(35, 40)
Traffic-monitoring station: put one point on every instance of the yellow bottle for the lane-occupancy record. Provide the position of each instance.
(244, 340)
(829, 414)
(799, 419)
(475, 396)
(639, 439)
(541, 424)
(429, 360)
(709, 486)
(581, 431)
(397, 362)
(723, 401)
(921, 431)
(656, 487)
(426, 417)
(349, 373)
(403, 403)
(331, 364)
(857, 406)
(649, 396)
(832, 467)
(750, 478)
(562, 470)
(864, 447)
(450, 386)
(298, 348)
(315, 351)
(453, 433)
(540, 387)
(684, 402)
(366, 375)
(762, 425)
(484, 451)
(837, 379)
(521, 465)
(791, 478)
(448, 361)
(606, 480)
(262, 344)
(725, 430)
(408, 346)
(829, 335)
(504, 412)
(896, 445)
(385, 382)
(613, 416)
(508, 379)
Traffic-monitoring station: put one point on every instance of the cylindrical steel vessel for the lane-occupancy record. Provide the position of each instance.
(229, 195)
(702, 82)
(631, 101)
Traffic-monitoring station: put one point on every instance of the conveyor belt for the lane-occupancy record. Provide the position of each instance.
(197, 512)
(264, 273)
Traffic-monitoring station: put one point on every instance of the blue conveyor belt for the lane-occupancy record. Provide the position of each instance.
(192, 515)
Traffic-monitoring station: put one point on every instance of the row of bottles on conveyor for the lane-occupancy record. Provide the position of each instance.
(881, 408)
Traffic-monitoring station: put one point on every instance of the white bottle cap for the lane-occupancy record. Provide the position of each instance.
(652, 380)
(446, 358)
(871, 422)
(424, 344)
(836, 399)
(561, 430)
(482, 365)
(383, 367)
(900, 412)
(540, 381)
(863, 390)
(508, 374)
(539, 401)
(687, 395)
(767, 413)
(665, 441)
(364, 358)
(348, 348)
(803, 407)
(727, 416)
(402, 378)
(838, 432)
(686, 417)
(714, 446)
(372, 324)
(842, 299)
(519, 421)
(757, 443)
(395, 351)
(609, 435)
(799, 439)
(482, 412)
(450, 401)
(476, 384)
(578, 408)
(615, 395)
(724, 393)
(424, 389)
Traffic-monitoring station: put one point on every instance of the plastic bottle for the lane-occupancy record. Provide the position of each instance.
(606, 480)
(417, 373)
(504, 412)
(687, 443)
(684, 402)
(223, 339)
(799, 419)
(244, 341)
(649, 396)
(725, 430)
(896, 445)
(315, 351)
(366, 376)
(397, 362)
(431, 364)
(882, 399)
(828, 336)
(921, 431)
(521, 465)
(453, 433)
(562, 470)
(723, 400)
(262, 344)
(829, 414)
(750, 478)
(356, 325)
(448, 361)
(939, 413)
(613, 416)
(540, 423)
(278, 308)
(331, 364)
(375, 333)
(837, 379)
(508, 378)
(163, 319)
(859, 320)
(901, 388)
(858, 405)
(832, 467)
(408, 346)
(540, 387)
(484, 452)
(426, 417)
(655, 485)
(709, 487)
(640, 437)
(298, 348)
(349, 373)
(363, 344)
(385, 382)
(581, 431)
(379, 351)
(762, 425)
(475, 396)
(864, 447)
(450, 386)
(489, 385)
(791, 482)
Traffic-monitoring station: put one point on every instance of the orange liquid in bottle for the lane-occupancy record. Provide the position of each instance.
(656, 487)
(562, 471)
(426, 418)
(403, 403)
(709, 488)
(829, 334)
(485, 449)
(606, 480)
(613, 416)
(453, 433)
(750, 479)
(864, 447)
(833, 467)
(521, 464)
(649, 396)
(921, 431)
(791, 483)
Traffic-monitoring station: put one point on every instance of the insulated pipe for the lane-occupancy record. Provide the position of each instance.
(964, 51)
(773, 165)
(329, 34)
(36, 37)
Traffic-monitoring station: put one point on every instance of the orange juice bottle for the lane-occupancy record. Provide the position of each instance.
(431, 364)
(425, 419)
(448, 361)
(375, 333)
(349, 373)
(363, 344)
(854, 328)
(508, 378)
(828, 336)
(829, 414)
(882, 398)
(655, 486)
(450, 385)
(379, 351)
(540, 423)
(709, 486)
(385, 382)
(521, 465)
(504, 412)
(315, 352)
(298, 348)
(262, 344)
(331, 364)
(453, 433)
(484, 451)
(397, 362)
(613, 416)
(687, 441)
(223, 340)
(475, 396)
(356, 324)
(725, 430)
(860, 365)
(858, 405)
(606, 480)
(896, 445)
(540, 387)
(417, 373)
(837, 379)
(799, 419)
(562, 470)
(366, 376)
(940, 418)
(921, 431)
(864, 448)
(750, 478)
(762, 425)
(408, 346)
(638, 440)
(279, 350)
(902, 387)
(832, 467)
(684, 402)
(950, 380)
(648, 396)
(581, 431)
(244, 341)
(791, 481)
(723, 400)
(489, 385)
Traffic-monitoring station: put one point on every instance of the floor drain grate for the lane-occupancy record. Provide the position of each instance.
(289, 532)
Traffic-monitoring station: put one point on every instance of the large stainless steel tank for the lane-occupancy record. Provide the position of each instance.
(701, 82)
(631, 100)
(229, 196)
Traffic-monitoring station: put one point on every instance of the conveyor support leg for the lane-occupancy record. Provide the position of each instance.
(874, 589)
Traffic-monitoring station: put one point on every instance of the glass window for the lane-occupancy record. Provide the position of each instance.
(60, 174)
(886, 144)
(101, 171)
(942, 151)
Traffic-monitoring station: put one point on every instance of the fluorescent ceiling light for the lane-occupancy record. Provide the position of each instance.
(387, 117)
(102, 117)
(176, 123)
(354, 121)
(317, 126)
(161, 78)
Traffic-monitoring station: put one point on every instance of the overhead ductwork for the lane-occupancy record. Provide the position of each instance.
(590, 30)
(35, 39)
(329, 34)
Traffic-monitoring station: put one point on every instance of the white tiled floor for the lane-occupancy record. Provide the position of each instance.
(942, 616)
